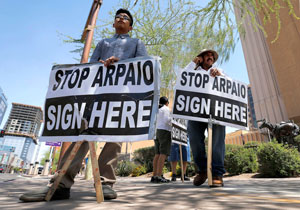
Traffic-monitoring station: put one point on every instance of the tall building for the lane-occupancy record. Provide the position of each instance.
(273, 68)
(24, 147)
(251, 111)
(22, 129)
(24, 120)
(3, 105)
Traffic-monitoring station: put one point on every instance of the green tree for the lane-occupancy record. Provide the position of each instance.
(46, 157)
(171, 30)
(176, 30)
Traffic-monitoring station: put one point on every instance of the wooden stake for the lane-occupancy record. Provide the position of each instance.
(209, 152)
(87, 36)
(181, 162)
(96, 173)
(63, 171)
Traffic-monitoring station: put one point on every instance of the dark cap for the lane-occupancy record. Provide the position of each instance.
(121, 10)
(163, 100)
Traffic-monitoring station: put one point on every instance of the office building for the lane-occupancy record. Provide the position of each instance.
(252, 122)
(24, 120)
(3, 105)
(273, 68)
(24, 147)
(22, 129)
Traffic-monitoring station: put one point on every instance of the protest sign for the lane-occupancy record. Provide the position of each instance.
(116, 103)
(199, 96)
(179, 131)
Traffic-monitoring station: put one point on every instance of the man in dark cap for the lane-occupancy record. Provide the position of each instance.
(108, 51)
(204, 62)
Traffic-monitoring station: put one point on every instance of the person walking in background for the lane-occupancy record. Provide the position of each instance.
(162, 141)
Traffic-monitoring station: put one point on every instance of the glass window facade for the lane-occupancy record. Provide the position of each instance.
(3, 105)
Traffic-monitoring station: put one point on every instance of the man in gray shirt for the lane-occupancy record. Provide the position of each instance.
(108, 51)
(121, 46)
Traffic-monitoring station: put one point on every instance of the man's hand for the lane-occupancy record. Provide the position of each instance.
(109, 61)
(198, 60)
(215, 72)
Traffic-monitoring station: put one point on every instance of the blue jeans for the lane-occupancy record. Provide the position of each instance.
(196, 135)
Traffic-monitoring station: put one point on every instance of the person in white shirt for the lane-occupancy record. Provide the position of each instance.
(162, 141)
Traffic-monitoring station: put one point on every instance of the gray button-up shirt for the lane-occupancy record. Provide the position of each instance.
(121, 46)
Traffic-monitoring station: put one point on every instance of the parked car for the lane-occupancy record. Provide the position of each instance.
(1, 169)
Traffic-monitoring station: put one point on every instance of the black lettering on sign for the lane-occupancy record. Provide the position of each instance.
(148, 72)
(99, 77)
(194, 79)
(75, 80)
(58, 79)
(233, 88)
(179, 134)
(109, 75)
(121, 69)
(84, 75)
(107, 114)
(130, 76)
(203, 105)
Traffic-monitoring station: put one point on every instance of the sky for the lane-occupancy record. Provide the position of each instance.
(31, 43)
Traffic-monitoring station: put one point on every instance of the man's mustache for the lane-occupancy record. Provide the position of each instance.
(209, 59)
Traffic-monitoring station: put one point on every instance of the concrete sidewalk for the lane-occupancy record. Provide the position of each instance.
(139, 193)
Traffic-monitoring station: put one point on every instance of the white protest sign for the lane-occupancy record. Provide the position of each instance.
(119, 103)
(198, 95)
(179, 131)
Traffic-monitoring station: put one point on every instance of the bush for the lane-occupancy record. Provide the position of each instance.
(144, 156)
(140, 170)
(297, 142)
(190, 169)
(251, 144)
(165, 170)
(278, 160)
(239, 159)
(125, 168)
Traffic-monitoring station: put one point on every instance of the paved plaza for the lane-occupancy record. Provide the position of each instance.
(240, 192)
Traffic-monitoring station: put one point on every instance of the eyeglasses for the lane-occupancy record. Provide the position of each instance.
(123, 16)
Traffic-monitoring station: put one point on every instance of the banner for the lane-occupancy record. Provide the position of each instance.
(199, 96)
(115, 104)
(179, 131)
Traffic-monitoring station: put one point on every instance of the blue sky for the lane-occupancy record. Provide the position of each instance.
(30, 45)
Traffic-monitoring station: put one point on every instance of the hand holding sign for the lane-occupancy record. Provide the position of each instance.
(109, 61)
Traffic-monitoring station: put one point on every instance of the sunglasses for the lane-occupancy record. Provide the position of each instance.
(122, 16)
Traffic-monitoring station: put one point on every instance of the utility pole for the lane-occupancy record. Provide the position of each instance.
(87, 37)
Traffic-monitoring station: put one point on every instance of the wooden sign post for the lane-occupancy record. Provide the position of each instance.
(181, 163)
(96, 172)
(209, 152)
(87, 36)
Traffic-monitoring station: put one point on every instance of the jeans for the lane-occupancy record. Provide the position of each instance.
(196, 135)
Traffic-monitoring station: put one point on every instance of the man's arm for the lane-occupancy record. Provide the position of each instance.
(140, 49)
